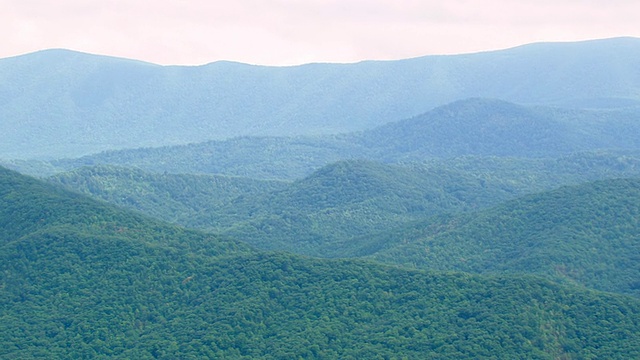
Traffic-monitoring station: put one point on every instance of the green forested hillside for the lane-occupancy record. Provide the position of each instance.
(121, 301)
(472, 127)
(585, 234)
(29, 207)
(330, 212)
(319, 214)
(178, 198)
(59, 103)
(82, 280)
(475, 127)
(38, 168)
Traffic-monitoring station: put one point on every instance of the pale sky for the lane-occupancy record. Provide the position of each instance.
(287, 32)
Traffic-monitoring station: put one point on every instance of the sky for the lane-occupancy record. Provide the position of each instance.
(289, 32)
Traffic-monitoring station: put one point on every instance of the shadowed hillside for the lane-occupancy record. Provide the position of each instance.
(178, 198)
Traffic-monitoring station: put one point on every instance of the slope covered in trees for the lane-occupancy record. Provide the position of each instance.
(585, 234)
(29, 207)
(64, 103)
(83, 280)
(178, 198)
(330, 212)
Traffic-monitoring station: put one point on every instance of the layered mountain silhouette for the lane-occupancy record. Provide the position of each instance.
(334, 211)
(471, 127)
(58, 103)
(458, 207)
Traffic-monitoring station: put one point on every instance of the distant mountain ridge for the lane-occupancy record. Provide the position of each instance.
(59, 103)
(470, 127)
(489, 127)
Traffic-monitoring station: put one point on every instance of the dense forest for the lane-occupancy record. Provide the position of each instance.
(95, 281)
(585, 234)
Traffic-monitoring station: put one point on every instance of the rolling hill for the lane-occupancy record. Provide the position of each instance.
(29, 207)
(59, 103)
(179, 198)
(84, 280)
(486, 127)
(326, 213)
(585, 234)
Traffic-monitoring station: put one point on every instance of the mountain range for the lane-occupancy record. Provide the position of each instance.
(447, 207)
(85, 280)
(471, 127)
(60, 103)
(331, 212)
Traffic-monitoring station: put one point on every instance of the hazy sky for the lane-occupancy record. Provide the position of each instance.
(283, 32)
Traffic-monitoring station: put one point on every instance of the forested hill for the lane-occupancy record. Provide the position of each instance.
(179, 198)
(83, 280)
(585, 234)
(31, 210)
(61, 103)
(324, 213)
(478, 127)
(497, 128)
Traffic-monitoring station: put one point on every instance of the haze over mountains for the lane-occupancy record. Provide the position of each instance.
(448, 207)
(471, 127)
(59, 103)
